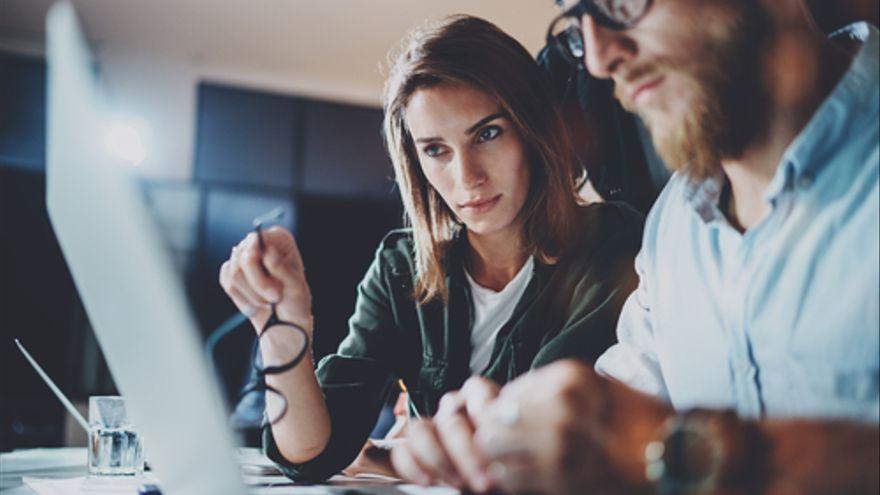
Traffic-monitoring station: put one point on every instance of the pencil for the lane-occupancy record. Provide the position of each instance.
(409, 402)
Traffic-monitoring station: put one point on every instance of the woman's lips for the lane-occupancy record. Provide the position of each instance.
(480, 205)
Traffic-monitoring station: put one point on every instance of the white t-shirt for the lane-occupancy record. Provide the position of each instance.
(491, 311)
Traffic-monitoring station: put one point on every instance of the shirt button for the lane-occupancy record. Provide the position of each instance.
(805, 181)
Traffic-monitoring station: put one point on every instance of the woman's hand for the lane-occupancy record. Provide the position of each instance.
(253, 290)
(442, 449)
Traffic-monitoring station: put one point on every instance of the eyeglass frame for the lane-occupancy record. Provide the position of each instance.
(259, 383)
(577, 11)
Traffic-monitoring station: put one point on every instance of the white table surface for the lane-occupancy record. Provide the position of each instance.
(71, 463)
(67, 462)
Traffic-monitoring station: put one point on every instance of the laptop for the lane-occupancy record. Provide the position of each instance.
(133, 295)
(127, 282)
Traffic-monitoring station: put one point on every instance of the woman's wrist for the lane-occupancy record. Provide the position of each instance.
(286, 343)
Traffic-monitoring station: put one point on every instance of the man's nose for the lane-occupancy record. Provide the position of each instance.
(605, 49)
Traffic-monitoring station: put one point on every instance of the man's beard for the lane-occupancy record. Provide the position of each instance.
(729, 100)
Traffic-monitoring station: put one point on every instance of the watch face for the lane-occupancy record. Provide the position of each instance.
(687, 460)
(692, 457)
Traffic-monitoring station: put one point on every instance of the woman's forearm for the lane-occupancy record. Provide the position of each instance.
(304, 430)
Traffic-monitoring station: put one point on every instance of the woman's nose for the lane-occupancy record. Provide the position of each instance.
(471, 173)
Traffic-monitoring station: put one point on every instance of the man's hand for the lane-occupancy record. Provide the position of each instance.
(565, 430)
(441, 449)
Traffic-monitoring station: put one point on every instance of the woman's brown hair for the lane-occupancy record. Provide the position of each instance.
(474, 52)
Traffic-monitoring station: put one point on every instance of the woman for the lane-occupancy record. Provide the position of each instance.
(500, 271)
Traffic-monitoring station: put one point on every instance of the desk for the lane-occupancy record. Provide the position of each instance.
(71, 463)
(44, 463)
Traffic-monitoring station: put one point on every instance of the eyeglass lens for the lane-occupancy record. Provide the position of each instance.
(259, 402)
(623, 12)
(287, 343)
(566, 32)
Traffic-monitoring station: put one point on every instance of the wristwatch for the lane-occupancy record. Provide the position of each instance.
(702, 452)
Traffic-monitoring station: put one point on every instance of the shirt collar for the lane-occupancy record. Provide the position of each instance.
(841, 115)
(704, 196)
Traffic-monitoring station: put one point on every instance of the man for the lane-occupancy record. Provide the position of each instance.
(748, 357)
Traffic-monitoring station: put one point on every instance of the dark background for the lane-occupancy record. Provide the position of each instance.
(324, 162)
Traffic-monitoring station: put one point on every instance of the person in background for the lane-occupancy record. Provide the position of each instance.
(501, 270)
(749, 357)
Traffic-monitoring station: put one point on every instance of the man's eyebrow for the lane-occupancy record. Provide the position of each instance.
(469, 130)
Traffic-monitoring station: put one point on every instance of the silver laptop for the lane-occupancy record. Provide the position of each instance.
(125, 277)
(133, 296)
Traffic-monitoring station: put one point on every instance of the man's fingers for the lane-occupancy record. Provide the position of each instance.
(516, 474)
(407, 467)
(456, 433)
(497, 441)
(478, 393)
(429, 453)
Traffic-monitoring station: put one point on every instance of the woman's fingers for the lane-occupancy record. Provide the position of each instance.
(251, 263)
(231, 277)
(242, 303)
(285, 244)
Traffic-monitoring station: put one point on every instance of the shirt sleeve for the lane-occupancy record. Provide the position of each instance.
(633, 359)
(355, 381)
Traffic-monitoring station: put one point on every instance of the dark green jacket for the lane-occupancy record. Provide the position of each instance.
(568, 310)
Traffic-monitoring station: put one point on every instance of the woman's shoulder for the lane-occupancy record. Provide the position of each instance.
(602, 233)
(396, 250)
(598, 223)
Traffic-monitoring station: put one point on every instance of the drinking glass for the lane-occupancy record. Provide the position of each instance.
(115, 447)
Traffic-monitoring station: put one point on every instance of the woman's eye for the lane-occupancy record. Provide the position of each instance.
(489, 133)
(433, 150)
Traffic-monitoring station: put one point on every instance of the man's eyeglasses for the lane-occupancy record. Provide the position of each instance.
(289, 343)
(565, 30)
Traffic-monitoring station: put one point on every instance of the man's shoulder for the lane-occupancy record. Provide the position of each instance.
(672, 201)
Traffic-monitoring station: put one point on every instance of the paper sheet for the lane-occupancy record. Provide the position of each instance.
(84, 485)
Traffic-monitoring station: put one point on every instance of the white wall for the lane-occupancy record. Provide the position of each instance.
(154, 52)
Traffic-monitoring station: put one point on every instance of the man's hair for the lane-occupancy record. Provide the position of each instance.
(474, 52)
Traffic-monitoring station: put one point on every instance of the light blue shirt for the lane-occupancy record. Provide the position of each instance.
(784, 319)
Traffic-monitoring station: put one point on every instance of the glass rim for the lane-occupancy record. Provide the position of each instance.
(589, 7)
(260, 387)
(295, 359)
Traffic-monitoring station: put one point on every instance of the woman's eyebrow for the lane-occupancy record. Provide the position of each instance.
(485, 120)
(470, 130)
